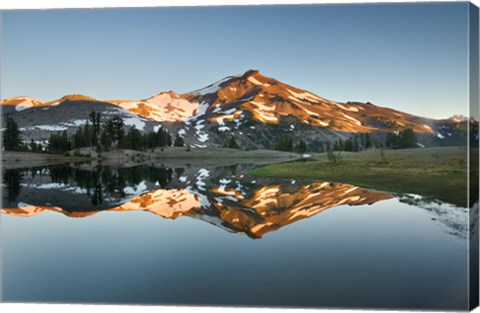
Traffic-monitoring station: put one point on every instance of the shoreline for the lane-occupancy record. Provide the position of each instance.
(173, 156)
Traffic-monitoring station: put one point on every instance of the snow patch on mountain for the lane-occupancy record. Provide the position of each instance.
(135, 122)
(351, 118)
(305, 95)
(351, 108)
(45, 127)
(212, 88)
(257, 82)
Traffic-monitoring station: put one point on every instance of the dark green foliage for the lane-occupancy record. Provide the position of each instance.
(348, 144)
(59, 142)
(178, 141)
(232, 143)
(284, 144)
(12, 180)
(11, 136)
(112, 133)
(409, 140)
(367, 141)
(302, 146)
(179, 171)
(133, 139)
(357, 142)
(402, 140)
(96, 128)
(34, 147)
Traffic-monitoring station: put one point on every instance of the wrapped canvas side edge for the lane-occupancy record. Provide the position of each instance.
(473, 192)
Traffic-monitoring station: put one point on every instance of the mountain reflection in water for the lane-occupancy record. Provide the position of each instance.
(221, 196)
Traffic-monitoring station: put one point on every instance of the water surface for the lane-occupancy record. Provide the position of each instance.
(213, 235)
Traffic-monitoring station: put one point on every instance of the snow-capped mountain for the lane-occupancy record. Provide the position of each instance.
(254, 108)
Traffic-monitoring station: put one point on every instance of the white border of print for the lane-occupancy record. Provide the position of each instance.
(50, 4)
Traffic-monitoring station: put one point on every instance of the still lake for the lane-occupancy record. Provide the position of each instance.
(216, 236)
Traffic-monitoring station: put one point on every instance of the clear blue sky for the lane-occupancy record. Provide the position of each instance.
(412, 57)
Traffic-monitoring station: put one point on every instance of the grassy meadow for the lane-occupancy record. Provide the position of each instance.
(437, 173)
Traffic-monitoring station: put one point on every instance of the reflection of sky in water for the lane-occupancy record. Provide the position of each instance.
(388, 254)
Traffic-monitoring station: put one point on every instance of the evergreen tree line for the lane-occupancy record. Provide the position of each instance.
(286, 144)
(401, 140)
(111, 134)
(358, 142)
(93, 133)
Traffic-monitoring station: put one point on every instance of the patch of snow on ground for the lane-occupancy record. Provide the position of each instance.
(183, 179)
(75, 122)
(156, 128)
(51, 186)
(46, 127)
(203, 172)
(224, 128)
(440, 136)
(136, 190)
(135, 122)
(306, 155)
(202, 137)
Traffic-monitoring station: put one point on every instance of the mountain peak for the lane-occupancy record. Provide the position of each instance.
(251, 73)
(75, 97)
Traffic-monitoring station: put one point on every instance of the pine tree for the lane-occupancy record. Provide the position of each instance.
(33, 146)
(96, 128)
(284, 144)
(11, 136)
(302, 146)
(368, 141)
(161, 137)
(408, 138)
(117, 131)
(178, 141)
(133, 139)
(348, 144)
(232, 143)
